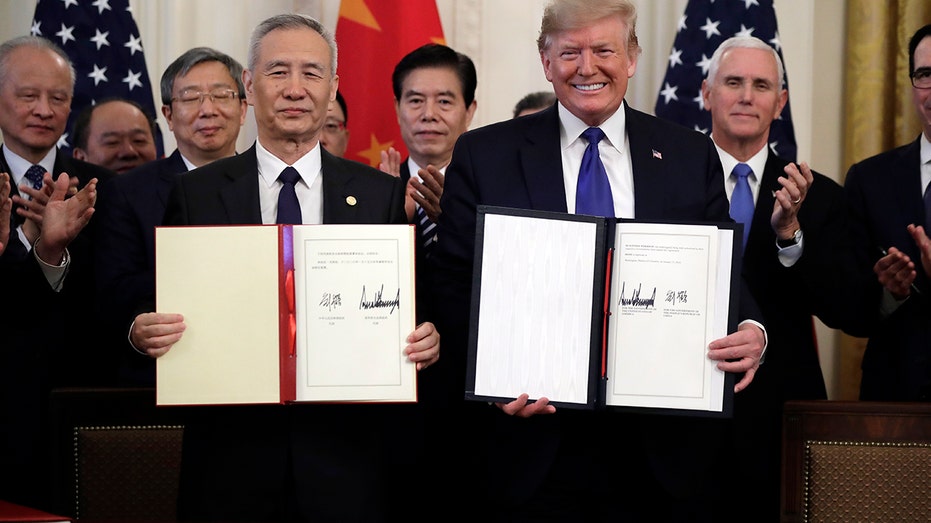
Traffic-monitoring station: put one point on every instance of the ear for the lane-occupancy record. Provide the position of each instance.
(166, 112)
(706, 94)
(470, 112)
(783, 98)
(545, 60)
(247, 83)
(79, 153)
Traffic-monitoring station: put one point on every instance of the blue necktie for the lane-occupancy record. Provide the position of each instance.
(742, 199)
(34, 174)
(427, 230)
(289, 208)
(593, 193)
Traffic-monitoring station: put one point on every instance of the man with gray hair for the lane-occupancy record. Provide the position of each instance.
(546, 463)
(204, 102)
(45, 265)
(297, 462)
(794, 229)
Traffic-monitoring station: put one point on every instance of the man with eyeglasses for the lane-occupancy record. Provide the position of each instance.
(890, 213)
(335, 135)
(204, 103)
(115, 134)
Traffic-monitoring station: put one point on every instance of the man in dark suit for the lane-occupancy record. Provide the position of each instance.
(204, 102)
(295, 462)
(888, 215)
(587, 465)
(434, 97)
(792, 260)
(44, 266)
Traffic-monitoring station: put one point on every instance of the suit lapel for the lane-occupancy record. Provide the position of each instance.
(166, 176)
(905, 183)
(241, 196)
(648, 182)
(541, 161)
(335, 196)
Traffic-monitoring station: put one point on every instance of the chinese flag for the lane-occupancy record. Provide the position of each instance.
(373, 35)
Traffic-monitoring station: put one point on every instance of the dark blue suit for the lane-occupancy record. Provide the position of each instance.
(128, 210)
(884, 194)
(539, 466)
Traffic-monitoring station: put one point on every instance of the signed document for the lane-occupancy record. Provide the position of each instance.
(354, 311)
(592, 313)
(276, 314)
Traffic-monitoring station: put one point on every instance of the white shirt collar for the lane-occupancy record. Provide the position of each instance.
(615, 128)
(270, 166)
(19, 165)
(757, 162)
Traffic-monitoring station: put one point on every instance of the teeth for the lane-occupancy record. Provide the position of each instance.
(590, 87)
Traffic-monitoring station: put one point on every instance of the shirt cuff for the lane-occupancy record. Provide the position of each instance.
(129, 338)
(791, 254)
(54, 274)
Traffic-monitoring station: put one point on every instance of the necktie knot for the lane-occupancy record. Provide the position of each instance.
(593, 135)
(34, 174)
(289, 175)
(742, 171)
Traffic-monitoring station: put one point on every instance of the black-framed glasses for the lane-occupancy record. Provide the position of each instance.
(333, 126)
(191, 98)
(921, 78)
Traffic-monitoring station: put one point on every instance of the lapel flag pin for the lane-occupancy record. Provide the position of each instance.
(658, 155)
(351, 200)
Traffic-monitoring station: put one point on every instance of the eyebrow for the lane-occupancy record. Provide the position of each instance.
(413, 92)
(304, 65)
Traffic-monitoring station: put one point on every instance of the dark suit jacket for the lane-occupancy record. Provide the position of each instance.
(884, 194)
(247, 463)
(128, 210)
(517, 163)
(48, 341)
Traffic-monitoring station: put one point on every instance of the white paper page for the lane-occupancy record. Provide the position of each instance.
(664, 293)
(536, 307)
(224, 280)
(354, 290)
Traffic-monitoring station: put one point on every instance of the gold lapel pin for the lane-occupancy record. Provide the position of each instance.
(351, 200)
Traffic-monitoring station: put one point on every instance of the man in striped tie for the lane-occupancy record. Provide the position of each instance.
(434, 92)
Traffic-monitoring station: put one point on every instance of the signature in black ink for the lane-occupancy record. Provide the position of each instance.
(673, 297)
(331, 300)
(635, 300)
(379, 302)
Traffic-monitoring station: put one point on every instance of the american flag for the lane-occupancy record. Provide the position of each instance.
(705, 24)
(102, 40)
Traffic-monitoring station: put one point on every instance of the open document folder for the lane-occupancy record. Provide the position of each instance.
(592, 312)
(287, 313)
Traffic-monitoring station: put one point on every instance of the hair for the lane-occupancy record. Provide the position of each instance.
(537, 100)
(916, 39)
(81, 129)
(744, 42)
(342, 105)
(196, 56)
(37, 42)
(289, 21)
(437, 56)
(567, 15)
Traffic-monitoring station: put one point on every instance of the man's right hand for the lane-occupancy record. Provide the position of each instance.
(896, 273)
(155, 333)
(6, 205)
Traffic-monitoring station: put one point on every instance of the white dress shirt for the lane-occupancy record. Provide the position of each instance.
(309, 189)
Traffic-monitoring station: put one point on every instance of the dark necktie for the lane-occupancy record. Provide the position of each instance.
(928, 209)
(289, 208)
(593, 192)
(34, 174)
(427, 230)
(742, 199)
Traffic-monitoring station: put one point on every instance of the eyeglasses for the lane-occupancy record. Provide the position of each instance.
(921, 78)
(333, 126)
(217, 96)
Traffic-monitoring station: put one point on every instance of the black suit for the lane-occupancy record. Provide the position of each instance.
(788, 298)
(630, 465)
(48, 341)
(269, 463)
(884, 194)
(128, 210)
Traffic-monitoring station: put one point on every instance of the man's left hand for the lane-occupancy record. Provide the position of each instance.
(789, 198)
(427, 193)
(423, 346)
(739, 352)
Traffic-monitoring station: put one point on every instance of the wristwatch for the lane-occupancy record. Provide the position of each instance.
(794, 240)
